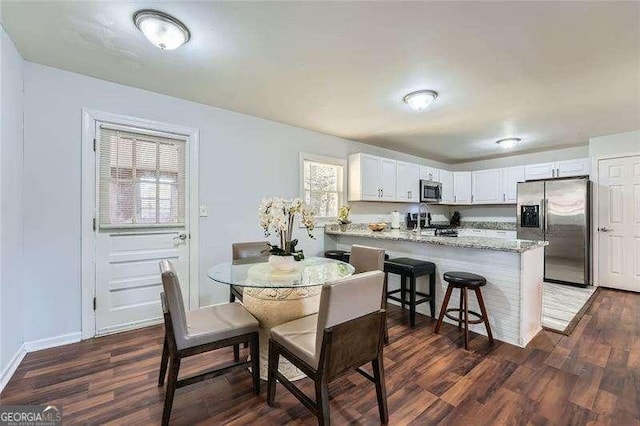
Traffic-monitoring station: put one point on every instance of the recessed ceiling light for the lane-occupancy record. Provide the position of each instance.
(508, 142)
(163, 30)
(421, 99)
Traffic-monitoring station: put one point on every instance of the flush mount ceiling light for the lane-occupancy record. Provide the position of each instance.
(508, 142)
(421, 99)
(163, 30)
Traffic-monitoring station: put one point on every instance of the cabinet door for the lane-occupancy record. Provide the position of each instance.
(429, 173)
(370, 177)
(462, 187)
(388, 179)
(510, 178)
(578, 167)
(446, 178)
(486, 186)
(540, 171)
(408, 182)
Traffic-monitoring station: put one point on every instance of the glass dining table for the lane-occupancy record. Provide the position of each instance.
(275, 297)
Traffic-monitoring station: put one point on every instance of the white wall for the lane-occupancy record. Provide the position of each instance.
(11, 111)
(618, 144)
(242, 160)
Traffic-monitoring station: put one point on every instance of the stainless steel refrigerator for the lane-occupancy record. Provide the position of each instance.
(558, 211)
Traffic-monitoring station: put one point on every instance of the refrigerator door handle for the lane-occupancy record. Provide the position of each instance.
(543, 205)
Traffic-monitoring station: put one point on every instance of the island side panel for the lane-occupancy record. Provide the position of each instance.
(502, 294)
(532, 273)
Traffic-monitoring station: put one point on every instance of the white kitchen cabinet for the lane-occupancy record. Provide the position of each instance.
(510, 178)
(369, 176)
(407, 182)
(540, 171)
(577, 167)
(446, 179)
(462, 187)
(486, 186)
(429, 173)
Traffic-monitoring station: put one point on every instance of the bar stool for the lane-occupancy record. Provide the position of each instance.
(464, 281)
(412, 269)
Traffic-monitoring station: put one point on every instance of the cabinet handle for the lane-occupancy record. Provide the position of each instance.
(430, 176)
(455, 198)
(504, 197)
(382, 192)
(553, 172)
(558, 172)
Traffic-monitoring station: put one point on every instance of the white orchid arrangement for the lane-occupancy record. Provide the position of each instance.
(278, 215)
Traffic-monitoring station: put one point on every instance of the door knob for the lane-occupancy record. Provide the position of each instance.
(603, 229)
(182, 237)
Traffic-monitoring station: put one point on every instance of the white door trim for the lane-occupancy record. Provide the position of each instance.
(89, 118)
(595, 178)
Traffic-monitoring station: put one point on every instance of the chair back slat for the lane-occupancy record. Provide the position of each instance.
(174, 302)
(352, 343)
(348, 299)
(366, 259)
(250, 250)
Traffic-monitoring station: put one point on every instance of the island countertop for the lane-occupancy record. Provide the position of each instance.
(482, 243)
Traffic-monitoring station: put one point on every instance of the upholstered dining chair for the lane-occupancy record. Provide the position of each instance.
(346, 333)
(365, 259)
(251, 251)
(202, 330)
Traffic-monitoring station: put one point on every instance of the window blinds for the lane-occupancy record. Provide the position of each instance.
(142, 179)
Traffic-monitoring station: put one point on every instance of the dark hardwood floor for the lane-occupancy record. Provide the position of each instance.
(590, 377)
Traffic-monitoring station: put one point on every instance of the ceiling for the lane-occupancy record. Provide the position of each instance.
(553, 73)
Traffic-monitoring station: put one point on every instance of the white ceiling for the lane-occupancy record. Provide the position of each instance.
(552, 73)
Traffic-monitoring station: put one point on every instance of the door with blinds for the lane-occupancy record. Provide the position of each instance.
(141, 218)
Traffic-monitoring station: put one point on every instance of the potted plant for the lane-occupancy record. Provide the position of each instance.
(343, 217)
(278, 215)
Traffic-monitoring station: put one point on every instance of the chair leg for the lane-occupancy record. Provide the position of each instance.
(443, 309)
(174, 366)
(483, 311)
(381, 389)
(385, 289)
(461, 311)
(255, 362)
(322, 401)
(232, 297)
(236, 353)
(466, 317)
(163, 363)
(412, 301)
(274, 359)
(432, 294)
(403, 289)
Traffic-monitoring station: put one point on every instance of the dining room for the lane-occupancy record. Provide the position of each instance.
(315, 213)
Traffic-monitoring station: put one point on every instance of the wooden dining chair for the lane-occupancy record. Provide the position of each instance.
(202, 330)
(346, 333)
(365, 259)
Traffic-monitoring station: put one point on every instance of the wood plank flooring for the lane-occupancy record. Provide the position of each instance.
(591, 377)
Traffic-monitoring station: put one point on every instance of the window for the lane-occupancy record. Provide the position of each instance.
(142, 179)
(323, 183)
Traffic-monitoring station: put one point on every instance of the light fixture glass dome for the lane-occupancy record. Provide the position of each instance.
(163, 30)
(508, 142)
(421, 99)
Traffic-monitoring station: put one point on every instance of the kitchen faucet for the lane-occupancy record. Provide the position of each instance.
(426, 214)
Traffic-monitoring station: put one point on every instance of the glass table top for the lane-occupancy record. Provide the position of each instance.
(257, 273)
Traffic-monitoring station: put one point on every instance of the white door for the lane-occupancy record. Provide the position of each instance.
(388, 179)
(486, 186)
(540, 171)
(141, 218)
(462, 187)
(510, 178)
(619, 223)
(408, 182)
(370, 177)
(446, 178)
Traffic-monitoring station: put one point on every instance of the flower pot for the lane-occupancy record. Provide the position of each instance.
(282, 263)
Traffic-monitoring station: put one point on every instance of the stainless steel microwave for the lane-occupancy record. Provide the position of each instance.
(430, 191)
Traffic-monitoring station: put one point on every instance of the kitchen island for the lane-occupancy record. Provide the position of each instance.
(513, 269)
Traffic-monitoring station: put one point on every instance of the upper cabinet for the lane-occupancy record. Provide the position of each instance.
(446, 179)
(371, 178)
(462, 187)
(486, 186)
(556, 169)
(408, 182)
(510, 178)
(430, 173)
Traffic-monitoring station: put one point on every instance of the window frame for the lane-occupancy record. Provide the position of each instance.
(321, 221)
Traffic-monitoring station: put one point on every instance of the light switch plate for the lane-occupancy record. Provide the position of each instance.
(204, 211)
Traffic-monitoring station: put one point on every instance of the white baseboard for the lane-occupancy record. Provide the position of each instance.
(51, 342)
(11, 368)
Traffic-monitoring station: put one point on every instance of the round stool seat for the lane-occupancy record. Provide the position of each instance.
(464, 279)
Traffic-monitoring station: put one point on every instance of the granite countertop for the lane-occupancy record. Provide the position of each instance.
(483, 243)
